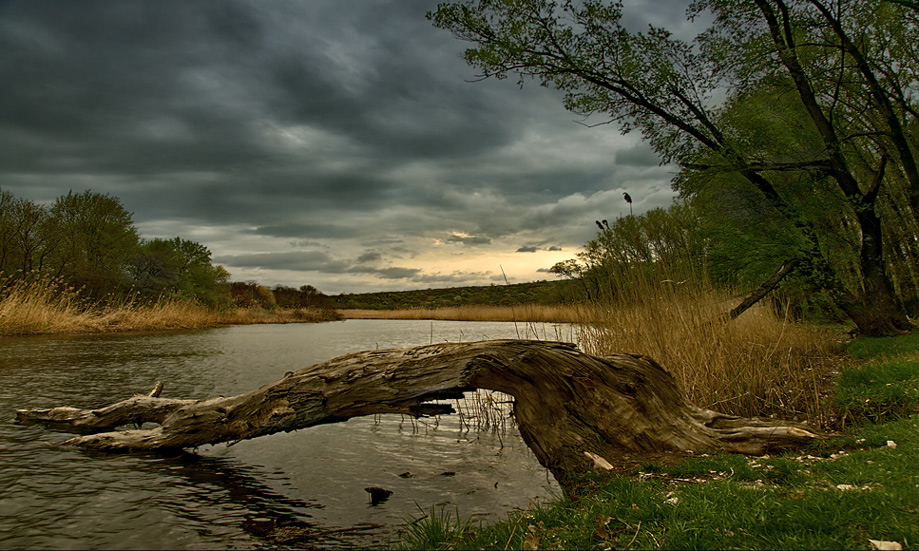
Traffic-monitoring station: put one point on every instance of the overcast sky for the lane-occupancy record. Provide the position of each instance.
(337, 143)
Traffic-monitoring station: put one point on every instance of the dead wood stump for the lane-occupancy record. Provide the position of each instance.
(577, 412)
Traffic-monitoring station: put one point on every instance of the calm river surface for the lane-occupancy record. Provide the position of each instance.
(285, 490)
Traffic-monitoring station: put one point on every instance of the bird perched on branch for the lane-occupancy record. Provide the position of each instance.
(599, 225)
(628, 199)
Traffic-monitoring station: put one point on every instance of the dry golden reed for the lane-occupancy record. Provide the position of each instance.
(244, 316)
(41, 306)
(756, 365)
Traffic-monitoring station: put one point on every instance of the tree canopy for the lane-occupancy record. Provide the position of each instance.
(88, 240)
(796, 115)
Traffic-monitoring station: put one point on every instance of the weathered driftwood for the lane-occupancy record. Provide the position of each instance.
(577, 412)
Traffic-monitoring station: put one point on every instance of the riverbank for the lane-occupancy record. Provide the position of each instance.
(859, 487)
(520, 313)
(43, 308)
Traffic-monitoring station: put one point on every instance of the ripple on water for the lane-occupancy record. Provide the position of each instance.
(266, 492)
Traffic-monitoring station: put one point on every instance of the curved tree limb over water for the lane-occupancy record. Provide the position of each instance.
(577, 412)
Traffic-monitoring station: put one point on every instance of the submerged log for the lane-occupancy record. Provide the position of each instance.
(577, 412)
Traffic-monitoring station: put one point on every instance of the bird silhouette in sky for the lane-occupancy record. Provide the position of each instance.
(628, 199)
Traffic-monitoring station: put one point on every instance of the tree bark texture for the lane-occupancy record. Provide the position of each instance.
(577, 412)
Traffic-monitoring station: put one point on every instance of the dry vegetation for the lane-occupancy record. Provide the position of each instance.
(43, 306)
(522, 313)
(244, 316)
(756, 365)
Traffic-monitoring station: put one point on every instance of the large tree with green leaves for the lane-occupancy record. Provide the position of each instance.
(24, 241)
(840, 177)
(179, 267)
(95, 239)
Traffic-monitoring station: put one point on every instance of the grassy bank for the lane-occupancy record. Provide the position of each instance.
(521, 313)
(42, 307)
(859, 486)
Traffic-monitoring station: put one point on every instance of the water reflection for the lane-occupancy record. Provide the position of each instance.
(268, 516)
(280, 490)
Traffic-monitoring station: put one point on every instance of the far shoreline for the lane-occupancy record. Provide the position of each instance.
(526, 313)
(178, 316)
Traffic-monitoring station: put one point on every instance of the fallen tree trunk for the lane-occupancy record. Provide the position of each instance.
(577, 412)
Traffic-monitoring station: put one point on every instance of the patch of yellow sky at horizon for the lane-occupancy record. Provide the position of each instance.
(518, 266)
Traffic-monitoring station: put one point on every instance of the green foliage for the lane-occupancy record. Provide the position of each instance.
(23, 234)
(794, 125)
(181, 268)
(660, 246)
(94, 237)
(252, 295)
(89, 241)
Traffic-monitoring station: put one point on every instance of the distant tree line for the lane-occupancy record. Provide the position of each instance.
(537, 292)
(88, 240)
(250, 294)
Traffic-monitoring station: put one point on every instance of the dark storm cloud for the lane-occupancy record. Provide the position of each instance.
(307, 230)
(293, 260)
(369, 256)
(392, 272)
(118, 87)
(134, 87)
(314, 261)
(537, 248)
(641, 155)
(340, 126)
(469, 239)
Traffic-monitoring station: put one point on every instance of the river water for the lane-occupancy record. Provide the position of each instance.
(298, 489)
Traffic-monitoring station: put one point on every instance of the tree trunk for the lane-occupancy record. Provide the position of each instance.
(764, 289)
(875, 307)
(577, 412)
(875, 311)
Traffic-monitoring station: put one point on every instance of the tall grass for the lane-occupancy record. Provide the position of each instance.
(759, 364)
(756, 365)
(43, 305)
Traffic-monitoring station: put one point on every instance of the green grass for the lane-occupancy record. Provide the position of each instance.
(885, 385)
(878, 391)
(881, 347)
(862, 485)
(435, 530)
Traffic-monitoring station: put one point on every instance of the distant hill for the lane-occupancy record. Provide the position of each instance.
(537, 292)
